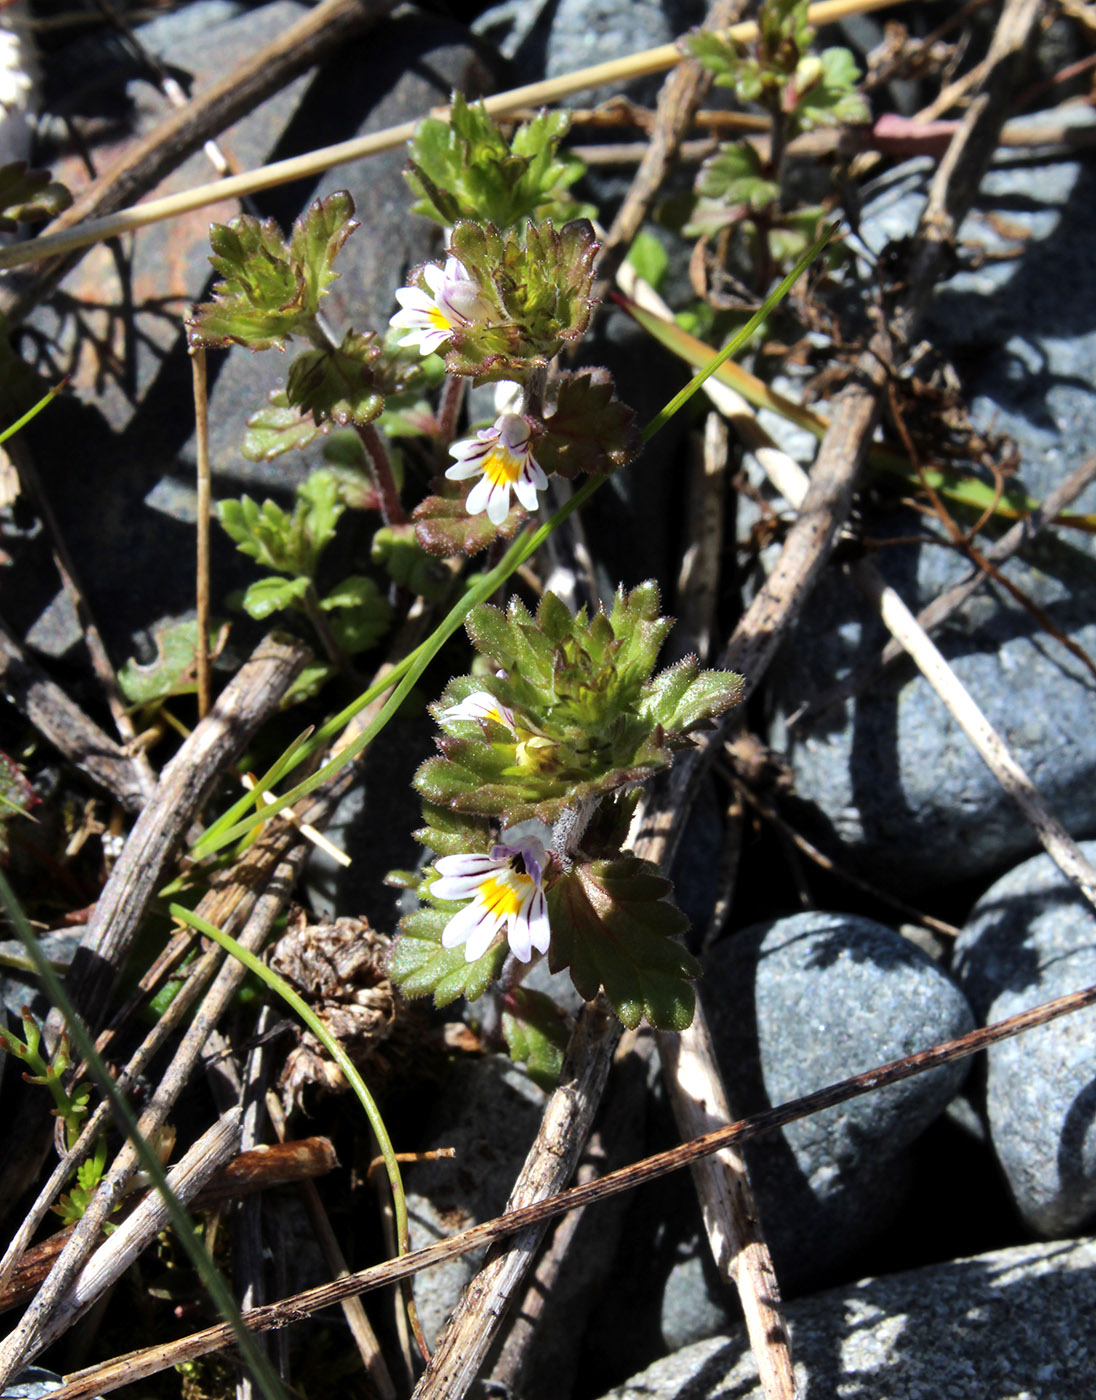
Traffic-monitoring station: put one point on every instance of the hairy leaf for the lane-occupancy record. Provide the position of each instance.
(271, 290)
(337, 385)
(614, 928)
(276, 429)
(174, 671)
(420, 966)
(536, 1034)
(464, 168)
(443, 526)
(587, 429)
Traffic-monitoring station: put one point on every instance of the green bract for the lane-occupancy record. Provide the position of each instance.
(464, 168)
(588, 717)
(271, 289)
(539, 283)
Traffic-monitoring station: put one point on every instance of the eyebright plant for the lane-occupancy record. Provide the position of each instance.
(739, 188)
(528, 802)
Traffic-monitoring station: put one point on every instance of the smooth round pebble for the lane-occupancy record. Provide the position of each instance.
(1030, 938)
(798, 1004)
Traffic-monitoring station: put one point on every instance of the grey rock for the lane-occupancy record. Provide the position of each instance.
(892, 777)
(1030, 938)
(802, 1002)
(1010, 1325)
(490, 1112)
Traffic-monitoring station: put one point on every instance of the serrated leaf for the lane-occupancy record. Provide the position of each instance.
(262, 296)
(276, 429)
(832, 97)
(271, 289)
(317, 237)
(28, 195)
(311, 680)
(271, 595)
(541, 280)
(464, 168)
(536, 1033)
(587, 429)
(449, 833)
(174, 670)
(337, 385)
(734, 176)
(614, 928)
(443, 526)
(420, 966)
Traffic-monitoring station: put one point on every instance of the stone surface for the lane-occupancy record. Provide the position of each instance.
(1012, 1325)
(800, 1003)
(1030, 938)
(893, 779)
(489, 1111)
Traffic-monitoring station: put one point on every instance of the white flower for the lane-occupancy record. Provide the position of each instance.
(502, 457)
(509, 396)
(480, 706)
(505, 888)
(429, 320)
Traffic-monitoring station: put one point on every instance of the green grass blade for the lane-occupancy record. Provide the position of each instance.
(713, 361)
(32, 412)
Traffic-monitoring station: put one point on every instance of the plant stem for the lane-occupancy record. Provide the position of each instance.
(392, 511)
(335, 653)
(449, 407)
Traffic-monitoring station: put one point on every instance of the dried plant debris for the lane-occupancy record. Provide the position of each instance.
(340, 968)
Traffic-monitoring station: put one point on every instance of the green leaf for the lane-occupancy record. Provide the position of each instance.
(420, 966)
(614, 928)
(276, 429)
(449, 833)
(174, 670)
(337, 385)
(396, 549)
(826, 90)
(464, 168)
(270, 595)
(587, 428)
(28, 196)
(289, 544)
(733, 176)
(649, 258)
(316, 240)
(539, 280)
(536, 1032)
(271, 290)
(363, 614)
